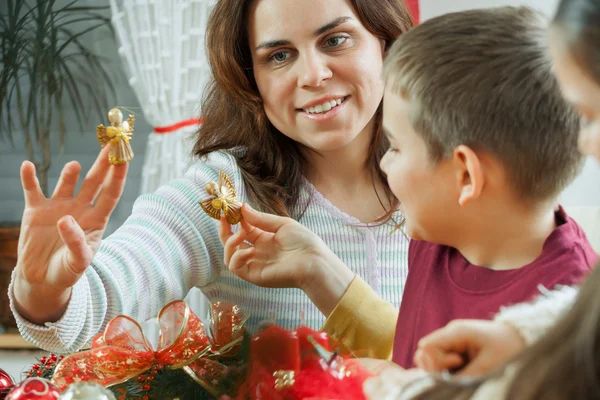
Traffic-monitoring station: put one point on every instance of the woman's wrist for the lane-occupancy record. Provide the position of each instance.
(39, 305)
(326, 279)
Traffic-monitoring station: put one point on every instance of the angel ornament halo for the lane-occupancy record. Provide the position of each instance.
(118, 134)
(222, 200)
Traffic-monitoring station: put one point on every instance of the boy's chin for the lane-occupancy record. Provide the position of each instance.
(415, 232)
(411, 232)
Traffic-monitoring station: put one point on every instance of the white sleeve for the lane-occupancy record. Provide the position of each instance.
(534, 319)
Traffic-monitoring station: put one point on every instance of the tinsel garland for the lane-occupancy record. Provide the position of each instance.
(161, 382)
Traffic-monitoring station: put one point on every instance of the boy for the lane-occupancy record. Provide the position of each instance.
(482, 143)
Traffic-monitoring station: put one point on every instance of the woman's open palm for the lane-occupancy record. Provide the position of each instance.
(61, 234)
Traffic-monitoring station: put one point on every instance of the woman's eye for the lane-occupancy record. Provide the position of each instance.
(280, 56)
(335, 41)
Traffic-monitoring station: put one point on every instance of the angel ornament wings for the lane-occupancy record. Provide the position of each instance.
(119, 134)
(222, 200)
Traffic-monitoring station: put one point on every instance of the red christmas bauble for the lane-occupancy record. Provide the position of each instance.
(5, 380)
(34, 388)
(6, 383)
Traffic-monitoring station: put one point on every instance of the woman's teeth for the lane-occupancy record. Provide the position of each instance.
(323, 108)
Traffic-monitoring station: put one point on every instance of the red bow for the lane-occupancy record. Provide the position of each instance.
(123, 352)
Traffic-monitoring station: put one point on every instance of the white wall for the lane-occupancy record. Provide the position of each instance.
(586, 188)
(432, 8)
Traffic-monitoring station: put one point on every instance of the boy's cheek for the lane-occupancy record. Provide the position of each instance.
(384, 163)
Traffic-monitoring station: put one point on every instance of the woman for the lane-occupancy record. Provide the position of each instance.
(564, 363)
(293, 116)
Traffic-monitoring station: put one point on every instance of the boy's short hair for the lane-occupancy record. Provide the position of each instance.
(483, 78)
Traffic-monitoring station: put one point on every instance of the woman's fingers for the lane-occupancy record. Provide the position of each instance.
(232, 245)
(92, 184)
(224, 230)
(266, 222)
(112, 190)
(240, 264)
(246, 236)
(68, 180)
(31, 186)
(80, 254)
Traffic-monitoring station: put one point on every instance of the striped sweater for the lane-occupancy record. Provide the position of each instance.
(169, 245)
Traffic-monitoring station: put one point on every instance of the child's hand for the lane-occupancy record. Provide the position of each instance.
(274, 251)
(391, 379)
(61, 234)
(473, 346)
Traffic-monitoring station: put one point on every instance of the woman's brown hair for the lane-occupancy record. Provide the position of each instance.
(272, 164)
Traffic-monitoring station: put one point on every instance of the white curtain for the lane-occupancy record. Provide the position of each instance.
(162, 47)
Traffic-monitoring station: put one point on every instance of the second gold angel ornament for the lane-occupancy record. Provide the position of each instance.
(119, 133)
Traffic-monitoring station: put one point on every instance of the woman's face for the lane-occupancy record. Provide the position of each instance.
(317, 68)
(581, 90)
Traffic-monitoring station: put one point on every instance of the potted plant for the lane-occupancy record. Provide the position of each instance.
(47, 69)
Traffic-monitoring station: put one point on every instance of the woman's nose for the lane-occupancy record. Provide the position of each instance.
(313, 70)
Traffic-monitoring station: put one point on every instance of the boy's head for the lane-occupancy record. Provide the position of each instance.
(471, 103)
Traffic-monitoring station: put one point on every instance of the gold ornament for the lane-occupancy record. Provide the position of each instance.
(222, 199)
(283, 379)
(118, 134)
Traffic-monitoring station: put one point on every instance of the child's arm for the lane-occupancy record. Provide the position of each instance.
(273, 251)
(532, 320)
(477, 346)
(166, 246)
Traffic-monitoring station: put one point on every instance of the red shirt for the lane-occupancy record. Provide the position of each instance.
(442, 285)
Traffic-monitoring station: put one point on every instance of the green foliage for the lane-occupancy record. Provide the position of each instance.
(46, 66)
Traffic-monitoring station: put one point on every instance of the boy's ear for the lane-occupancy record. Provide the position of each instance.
(469, 174)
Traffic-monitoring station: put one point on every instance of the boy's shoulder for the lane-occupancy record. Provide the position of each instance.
(566, 258)
(568, 242)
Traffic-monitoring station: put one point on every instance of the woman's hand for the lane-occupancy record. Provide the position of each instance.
(274, 251)
(474, 347)
(61, 234)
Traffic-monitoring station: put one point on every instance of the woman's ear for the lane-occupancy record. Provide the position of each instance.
(469, 174)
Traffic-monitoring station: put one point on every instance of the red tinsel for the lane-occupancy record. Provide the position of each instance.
(290, 365)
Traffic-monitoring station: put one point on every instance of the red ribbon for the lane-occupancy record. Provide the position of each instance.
(122, 351)
(178, 125)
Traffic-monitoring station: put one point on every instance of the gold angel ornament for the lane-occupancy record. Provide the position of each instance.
(222, 199)
(119, 134)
